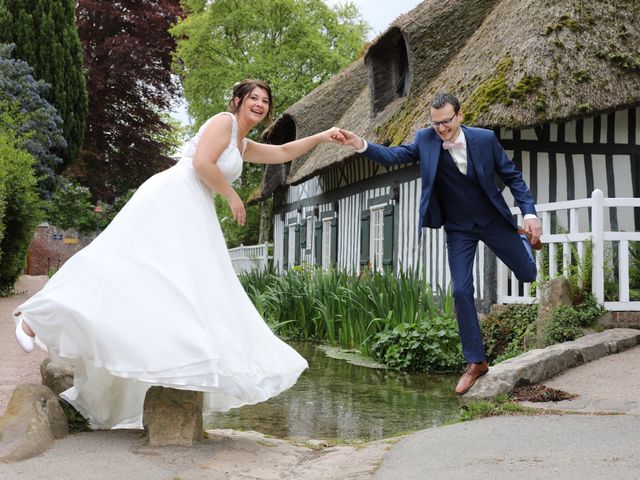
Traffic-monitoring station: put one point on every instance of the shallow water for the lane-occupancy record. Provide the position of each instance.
(335, 400)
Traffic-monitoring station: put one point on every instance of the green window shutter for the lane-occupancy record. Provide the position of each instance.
(387, 249)
(296, 229)
(303, 233)
(334, 241)
(365, 229)
(317, 240)
(285, 248)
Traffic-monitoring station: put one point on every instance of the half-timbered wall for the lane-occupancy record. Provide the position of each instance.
(569, 161)
(558, 161)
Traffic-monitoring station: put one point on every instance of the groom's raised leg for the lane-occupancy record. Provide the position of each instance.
(505, 241)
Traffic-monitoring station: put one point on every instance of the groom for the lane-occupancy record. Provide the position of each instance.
(457, 166)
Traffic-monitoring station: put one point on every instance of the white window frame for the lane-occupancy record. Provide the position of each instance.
(292, 245)
(376, 237)
(310, 231)
(326, 243)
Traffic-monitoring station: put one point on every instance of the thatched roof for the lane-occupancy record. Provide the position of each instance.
(512, 63)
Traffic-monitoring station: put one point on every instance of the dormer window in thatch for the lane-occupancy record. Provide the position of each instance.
(388, 64)
(283, 131)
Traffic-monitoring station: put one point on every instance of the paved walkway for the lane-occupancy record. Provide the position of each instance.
(601, 441)
(591, 445)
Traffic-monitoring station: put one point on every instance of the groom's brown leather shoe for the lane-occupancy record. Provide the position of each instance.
(535, 246)
(469, 377)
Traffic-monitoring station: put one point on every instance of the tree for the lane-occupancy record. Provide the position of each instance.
(295, 45)
(127, 53)
(34, 121)
(70, 207)
(20, 207)
(46, 37)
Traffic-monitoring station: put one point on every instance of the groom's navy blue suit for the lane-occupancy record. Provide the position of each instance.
(471, 208)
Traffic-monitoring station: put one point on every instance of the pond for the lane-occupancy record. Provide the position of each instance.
(338, 401)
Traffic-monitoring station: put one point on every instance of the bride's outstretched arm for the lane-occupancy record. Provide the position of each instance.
(263, 153)
(213, 142)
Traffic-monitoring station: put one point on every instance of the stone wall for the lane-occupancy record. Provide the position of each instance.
(620, 320)
(51, 247)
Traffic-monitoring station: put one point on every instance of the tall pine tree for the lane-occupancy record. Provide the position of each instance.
(46, 37)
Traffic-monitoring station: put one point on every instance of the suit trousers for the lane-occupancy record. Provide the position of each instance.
(503, 239)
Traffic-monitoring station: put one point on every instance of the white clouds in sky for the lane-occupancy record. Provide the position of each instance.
(380, 13)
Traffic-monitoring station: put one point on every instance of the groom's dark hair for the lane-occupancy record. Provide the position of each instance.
(244, 88)
(441, 99)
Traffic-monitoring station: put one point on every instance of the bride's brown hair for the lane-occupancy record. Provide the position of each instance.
(244, 88)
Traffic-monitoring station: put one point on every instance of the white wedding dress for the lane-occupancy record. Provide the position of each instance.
(154, 300)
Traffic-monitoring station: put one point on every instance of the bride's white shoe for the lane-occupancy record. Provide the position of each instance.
(26, 342)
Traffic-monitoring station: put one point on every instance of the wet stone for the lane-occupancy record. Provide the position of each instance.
(172, 417)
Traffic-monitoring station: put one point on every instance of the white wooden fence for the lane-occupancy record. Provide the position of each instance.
(247, 258)
(606, 259)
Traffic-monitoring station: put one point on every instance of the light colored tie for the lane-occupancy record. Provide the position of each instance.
(453, 145)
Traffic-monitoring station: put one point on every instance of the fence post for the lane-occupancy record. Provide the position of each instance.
(597, 242)
(265, 261)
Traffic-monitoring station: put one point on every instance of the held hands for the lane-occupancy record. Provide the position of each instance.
(351, 139)
(343, 137)
(237, 208)
(334, 135)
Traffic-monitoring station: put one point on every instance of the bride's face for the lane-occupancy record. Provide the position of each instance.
(255, 106)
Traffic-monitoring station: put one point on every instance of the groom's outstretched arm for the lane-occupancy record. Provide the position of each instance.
(405, 153)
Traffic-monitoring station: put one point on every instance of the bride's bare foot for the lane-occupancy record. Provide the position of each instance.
(27, 329)
(24, 335)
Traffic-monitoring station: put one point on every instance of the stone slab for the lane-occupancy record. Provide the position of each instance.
(538, 365)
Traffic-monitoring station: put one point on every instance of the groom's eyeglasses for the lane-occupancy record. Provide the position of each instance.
(444, 123)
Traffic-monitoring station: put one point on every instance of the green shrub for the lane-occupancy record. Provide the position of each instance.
(433, 346)
(20, 207)
(587, 308)
(564, 325)
(509, 332)
(568, 322)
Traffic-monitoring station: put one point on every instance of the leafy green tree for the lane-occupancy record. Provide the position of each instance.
(36, 123)
(20, 207)
(295, 45)
(110, 210)
(70, 207)
(46, 37)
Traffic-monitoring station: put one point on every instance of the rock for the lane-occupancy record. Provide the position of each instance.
(538, 365)
(318, 443)
(620, 320)
(32, 420)
(56, 376)
(43, 366)
(553, 293)
(172, 417)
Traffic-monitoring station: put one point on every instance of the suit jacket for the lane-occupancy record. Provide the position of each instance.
(489, 160)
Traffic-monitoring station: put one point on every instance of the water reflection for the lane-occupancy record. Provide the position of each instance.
(337, 400)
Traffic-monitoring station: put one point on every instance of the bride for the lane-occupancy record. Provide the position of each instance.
(154, 299)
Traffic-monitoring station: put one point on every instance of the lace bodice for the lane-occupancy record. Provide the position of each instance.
(230, 161)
